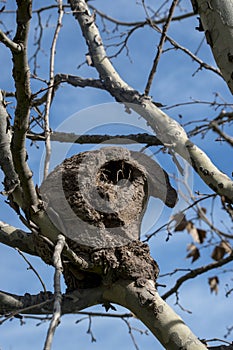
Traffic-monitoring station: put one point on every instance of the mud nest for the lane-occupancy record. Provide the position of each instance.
(98, 198)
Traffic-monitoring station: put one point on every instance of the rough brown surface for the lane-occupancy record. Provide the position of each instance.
(129, 262)
(97, 200)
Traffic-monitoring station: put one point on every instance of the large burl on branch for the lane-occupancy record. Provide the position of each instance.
(97, 199)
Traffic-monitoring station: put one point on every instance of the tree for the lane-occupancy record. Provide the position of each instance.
(112, 266)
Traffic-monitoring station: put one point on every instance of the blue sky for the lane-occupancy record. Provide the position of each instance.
(174, 83)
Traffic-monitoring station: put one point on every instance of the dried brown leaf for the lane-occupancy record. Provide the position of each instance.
(201, 212)
(226, 245)
(201, 235)
(213, 283)
(220, 250)
(192, 230)
(218, 253)
(193, 252)
(181, 222)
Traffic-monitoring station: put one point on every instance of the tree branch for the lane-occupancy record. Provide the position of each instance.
(50, 91)
(57, 292)
(131, 24)
(155, 313)
(167, 129)
(21, 75)
(16, 238)
(221, 133)
(6, 162)
(196, 272)
(30, 204)
(217, 24)
(78, 81)
(144, 138)
(32, 304)
(9, 43)
(160, 46)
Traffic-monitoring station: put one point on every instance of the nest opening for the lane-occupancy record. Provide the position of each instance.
(115, 171)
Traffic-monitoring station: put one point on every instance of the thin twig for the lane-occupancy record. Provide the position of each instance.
(131, 24)
(50, 91)
(25, 310)
(160, 47)
(221, 133)
(131, 333)
(32, 268)
(194, 57)
(9, 43)
(103, 314)
(196, 272)
(57, 291)
(168, 224)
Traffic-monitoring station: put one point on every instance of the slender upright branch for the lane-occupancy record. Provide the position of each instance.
(160, 47)
(50, 91)
(57, 292)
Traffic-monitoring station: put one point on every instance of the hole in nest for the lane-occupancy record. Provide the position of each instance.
(114, 172)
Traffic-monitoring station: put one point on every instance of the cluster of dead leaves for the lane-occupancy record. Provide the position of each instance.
(199, 236)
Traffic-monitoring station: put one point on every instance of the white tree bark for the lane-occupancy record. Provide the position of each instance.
(155, 313)
(167, 129)
(217, 21)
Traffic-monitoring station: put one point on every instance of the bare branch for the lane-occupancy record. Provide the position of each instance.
(33, 269)
(196, 272)
(6, 161)
(42, 303)
(154, 24)
(9, 43)
(21, 76)
(160, 47)
(50, 91)
(221, 133)
(167, 129)
(131, 24)
(79, 81)
(17, 238)
(149, 140)
(66, 78)
(11, 304)
(193, 56)
(154, 313)
(57, 292)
